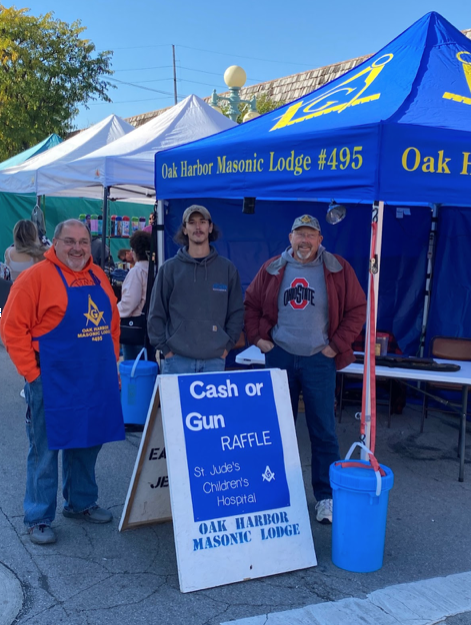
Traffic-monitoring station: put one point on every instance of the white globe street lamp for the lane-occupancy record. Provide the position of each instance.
(235, 78)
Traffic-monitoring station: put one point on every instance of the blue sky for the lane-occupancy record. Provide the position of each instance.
(268, 39)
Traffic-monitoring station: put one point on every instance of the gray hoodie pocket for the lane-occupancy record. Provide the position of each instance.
(194, 338)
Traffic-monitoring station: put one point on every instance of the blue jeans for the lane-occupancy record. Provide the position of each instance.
(315, 377)
(181, 364)
(78, 468)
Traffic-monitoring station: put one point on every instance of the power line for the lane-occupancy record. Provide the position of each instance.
(138, 69)
(252, 58)
(155, 45)
(190, 69)
(131, 84)
(140, 82)
(202, 71)
(196, 82)
(129, 101)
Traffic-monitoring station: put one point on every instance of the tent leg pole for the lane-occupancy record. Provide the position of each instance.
(429, 277)
(373, 281)
(160, 234)
(104, 233)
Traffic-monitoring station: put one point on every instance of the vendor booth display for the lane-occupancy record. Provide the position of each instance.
(394, 129)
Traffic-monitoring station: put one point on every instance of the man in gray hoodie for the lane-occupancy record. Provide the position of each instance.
(196, 311)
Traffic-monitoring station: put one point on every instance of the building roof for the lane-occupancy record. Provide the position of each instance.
(284, 89)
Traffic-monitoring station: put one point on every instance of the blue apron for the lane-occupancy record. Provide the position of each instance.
(79, 373)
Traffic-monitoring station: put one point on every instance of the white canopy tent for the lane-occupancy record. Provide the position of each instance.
(127, 166)
(112, 160)
(28, 177)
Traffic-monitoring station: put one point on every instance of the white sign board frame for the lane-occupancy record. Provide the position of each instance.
(245, 545)
(148, 497)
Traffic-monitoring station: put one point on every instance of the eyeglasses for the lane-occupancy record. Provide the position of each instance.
(302, 235)
(73, 242)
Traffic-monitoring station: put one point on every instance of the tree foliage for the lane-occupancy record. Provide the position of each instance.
(265, 104)
(46, 71)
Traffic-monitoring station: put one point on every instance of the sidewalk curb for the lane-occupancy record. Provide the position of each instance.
(11, 596)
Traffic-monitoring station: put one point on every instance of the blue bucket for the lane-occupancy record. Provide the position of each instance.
(137, 385)
(360, 507)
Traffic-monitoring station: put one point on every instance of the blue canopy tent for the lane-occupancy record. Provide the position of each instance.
(394, 130)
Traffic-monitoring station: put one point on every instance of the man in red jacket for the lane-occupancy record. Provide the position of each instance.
(303, 310)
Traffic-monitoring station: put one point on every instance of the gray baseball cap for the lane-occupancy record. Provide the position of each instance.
(307, 221)
(195, 208)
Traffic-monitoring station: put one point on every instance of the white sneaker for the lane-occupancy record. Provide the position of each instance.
(324, 511)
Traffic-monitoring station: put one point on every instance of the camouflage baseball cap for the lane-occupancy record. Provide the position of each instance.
(195, 208)
(307, 221)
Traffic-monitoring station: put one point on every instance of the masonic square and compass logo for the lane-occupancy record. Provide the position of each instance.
(94, 315)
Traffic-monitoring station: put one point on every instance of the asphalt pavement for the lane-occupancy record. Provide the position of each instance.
(96, 575)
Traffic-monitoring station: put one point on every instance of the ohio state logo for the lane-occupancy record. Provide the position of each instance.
(298, 295)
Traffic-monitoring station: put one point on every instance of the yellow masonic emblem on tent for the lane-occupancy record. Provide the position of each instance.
(347, 93)
(94, 315)
(465, 58)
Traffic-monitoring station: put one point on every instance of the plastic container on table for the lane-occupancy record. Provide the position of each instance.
(118, 232)
(83, 218)
(94, 225)
(381, 346)
(125, 226)
(100, 225)
(142, 223)
(134, 224)
(360, 507)
(113, 226)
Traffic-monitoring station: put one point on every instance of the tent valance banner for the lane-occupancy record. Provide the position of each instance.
(396, 128)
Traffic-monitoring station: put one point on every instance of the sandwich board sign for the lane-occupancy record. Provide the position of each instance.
(148, 498)
(236, 488)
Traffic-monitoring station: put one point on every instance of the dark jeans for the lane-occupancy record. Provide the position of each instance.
(315, 377)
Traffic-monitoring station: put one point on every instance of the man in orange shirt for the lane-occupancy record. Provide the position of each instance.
(60, 327)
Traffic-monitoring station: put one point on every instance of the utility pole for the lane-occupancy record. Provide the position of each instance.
(174, 75)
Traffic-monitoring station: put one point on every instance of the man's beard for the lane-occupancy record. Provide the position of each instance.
(304, 253)
(76, 266)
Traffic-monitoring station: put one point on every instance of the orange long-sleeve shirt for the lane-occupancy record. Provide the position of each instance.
(36, 305)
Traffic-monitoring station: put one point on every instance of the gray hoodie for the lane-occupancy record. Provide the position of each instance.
(196, 309)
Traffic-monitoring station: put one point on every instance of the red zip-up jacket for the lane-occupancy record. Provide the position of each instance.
(345, 297)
